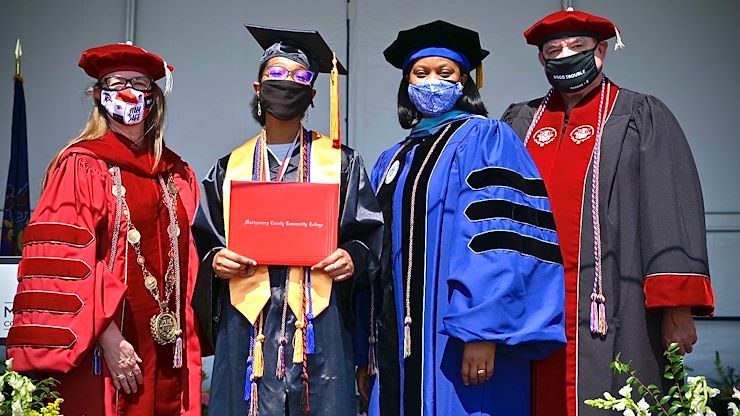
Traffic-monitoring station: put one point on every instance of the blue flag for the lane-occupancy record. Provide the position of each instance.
(17, 203)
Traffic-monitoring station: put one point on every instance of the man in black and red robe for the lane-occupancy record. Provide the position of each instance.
(629, 215)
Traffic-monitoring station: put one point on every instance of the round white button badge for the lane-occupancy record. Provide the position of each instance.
(392, 172)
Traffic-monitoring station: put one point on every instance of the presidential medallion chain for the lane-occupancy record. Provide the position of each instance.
(166, 325)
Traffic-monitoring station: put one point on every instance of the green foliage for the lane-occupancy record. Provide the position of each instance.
(687, 396)
(21, 396)
(727, 381)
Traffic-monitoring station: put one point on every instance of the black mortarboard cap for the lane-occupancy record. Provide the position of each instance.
(302, 46)
(436, 34)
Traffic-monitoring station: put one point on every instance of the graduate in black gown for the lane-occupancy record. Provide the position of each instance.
(280, 361)
(629, 214)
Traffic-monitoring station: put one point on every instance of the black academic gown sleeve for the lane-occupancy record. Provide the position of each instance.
(210, 237)
(671, 227)
(360, 230)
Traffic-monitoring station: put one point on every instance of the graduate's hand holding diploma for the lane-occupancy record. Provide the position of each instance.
(477, 362)
(229, 265)
(338, 265)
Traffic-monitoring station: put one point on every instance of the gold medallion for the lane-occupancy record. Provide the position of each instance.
(173, 230)
(172, 187)
(164, 328)
(150, 282)
(118, 190)
(133, 236)
(170, 279)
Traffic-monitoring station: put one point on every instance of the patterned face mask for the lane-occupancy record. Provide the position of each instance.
(128, 106)
(435, 97)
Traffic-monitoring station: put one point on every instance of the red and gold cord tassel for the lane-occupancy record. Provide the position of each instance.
(334, 112)
(305, 401)
(254, 401)
(280, 369)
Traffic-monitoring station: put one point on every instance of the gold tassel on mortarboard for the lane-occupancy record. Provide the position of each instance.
(479, 76)
(334, 113)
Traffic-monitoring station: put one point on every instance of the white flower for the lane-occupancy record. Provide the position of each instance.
(735, 393)
(643, 405)
(711, 392)
(626, 391)
(17, 408)
(732, 408)
(619, 406)
(707, 412)
(8, 364)
(15, 382)
(628, 412)
(608, 396)
(692, 379)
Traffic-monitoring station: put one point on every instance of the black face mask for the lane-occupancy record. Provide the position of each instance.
(285, 100)
(572, 73)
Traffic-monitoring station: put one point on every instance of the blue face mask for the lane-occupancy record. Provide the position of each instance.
(435, 97)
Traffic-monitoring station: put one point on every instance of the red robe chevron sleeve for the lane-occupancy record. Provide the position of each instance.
(66, 294)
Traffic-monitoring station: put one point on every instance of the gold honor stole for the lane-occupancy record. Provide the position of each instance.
(250, 295)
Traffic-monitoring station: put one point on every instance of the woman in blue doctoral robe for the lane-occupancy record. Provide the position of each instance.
(471, 288)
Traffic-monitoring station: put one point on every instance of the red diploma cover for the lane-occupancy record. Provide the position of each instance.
(283, 223)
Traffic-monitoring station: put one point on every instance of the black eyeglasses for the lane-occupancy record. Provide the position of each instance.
(118, 83)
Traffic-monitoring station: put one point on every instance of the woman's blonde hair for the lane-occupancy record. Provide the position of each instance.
(98, 124)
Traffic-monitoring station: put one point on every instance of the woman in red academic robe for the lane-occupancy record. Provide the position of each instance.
(109, 264)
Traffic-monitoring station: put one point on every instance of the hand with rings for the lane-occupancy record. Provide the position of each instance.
(477, 362)
(338, 265)
(121, 360)
(229, 265)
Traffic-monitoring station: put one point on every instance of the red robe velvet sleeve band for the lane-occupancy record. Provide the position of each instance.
(666, 290)
(66, 295)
